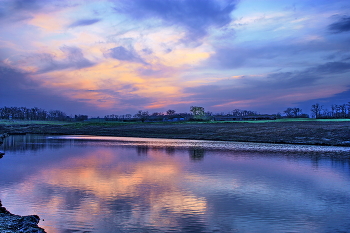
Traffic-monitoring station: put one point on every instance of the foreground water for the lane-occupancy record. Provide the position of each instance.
(107, 184)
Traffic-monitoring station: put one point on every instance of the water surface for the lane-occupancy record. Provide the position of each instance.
(108, 184)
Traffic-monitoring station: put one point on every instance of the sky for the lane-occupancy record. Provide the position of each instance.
(101, 57)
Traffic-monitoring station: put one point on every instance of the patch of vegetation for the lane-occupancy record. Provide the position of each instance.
(26, 122)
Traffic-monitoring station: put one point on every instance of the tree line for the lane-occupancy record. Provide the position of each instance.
(197, 113)
(318, 111)
(38, 114)
(336, 111)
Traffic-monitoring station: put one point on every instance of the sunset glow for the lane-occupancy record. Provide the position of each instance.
(120, 56)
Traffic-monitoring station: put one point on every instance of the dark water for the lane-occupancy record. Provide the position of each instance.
(105, 184)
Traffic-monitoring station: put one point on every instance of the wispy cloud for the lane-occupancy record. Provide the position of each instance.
(19, 89)
(74, 59)
(196, 17)
(123, 54)
(83, 22)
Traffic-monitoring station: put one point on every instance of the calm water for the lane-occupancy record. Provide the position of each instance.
(106, 184)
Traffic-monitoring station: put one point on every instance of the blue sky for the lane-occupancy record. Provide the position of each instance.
(117, 57)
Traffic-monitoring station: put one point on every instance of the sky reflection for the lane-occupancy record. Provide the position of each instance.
(100, 188)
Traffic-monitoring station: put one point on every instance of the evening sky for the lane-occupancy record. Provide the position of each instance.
(101, 57)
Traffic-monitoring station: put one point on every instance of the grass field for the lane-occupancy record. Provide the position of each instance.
(294, 131)
(20, 122)
(24, 122)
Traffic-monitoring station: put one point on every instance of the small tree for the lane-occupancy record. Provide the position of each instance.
(197, 112)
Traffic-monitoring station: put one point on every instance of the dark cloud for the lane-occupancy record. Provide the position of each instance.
(17, 10)
(27, 5)
(123, 54)
(340, 98)
(13, 7)
(331, 68)
(271, 87)
(74, 59)
(18, 89)
(197, 16)
(84, 22)
(342, 25)
(255, 54)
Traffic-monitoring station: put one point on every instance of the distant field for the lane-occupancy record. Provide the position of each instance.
(20, 122)
(298, 119)
(23, 122)
(293, 131)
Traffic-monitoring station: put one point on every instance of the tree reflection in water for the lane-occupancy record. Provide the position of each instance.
(196, 154)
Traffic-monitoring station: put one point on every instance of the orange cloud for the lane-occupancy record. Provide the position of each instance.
(51, 23)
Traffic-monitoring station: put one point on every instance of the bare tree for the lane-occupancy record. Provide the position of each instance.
(288, 112)
(170, 112)
(142, 115)
(316, 110)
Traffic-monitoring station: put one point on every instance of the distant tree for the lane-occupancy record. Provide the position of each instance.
(142, 115)
(294, 113)
(297, 112)
(236, 112)
(197, 112)
(208, 113)
(170, 112)
(342, 110)
(239, 112)
(316, 110)
(57, 115)
(288, 112)
(80, 117)
(157, 114)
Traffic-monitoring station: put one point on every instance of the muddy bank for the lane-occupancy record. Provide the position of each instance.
(14, 223)
(307, 133)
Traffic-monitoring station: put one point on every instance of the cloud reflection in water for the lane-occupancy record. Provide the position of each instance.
(100, 186)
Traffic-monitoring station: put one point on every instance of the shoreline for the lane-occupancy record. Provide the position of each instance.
(292, 133)
(298, 133)
(15, 223)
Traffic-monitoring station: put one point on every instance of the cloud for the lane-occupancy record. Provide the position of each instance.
(331, 68)
(74, 59)
(16, 10)
(273, 91)
(340, 98)
(122, 54)
(84, 22)
(342, 25)
(246, 54)
(289, 52)
(18, 89)
(195, 16)
(27, 5)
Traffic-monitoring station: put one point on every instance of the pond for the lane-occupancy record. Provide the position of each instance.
(111, 184)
